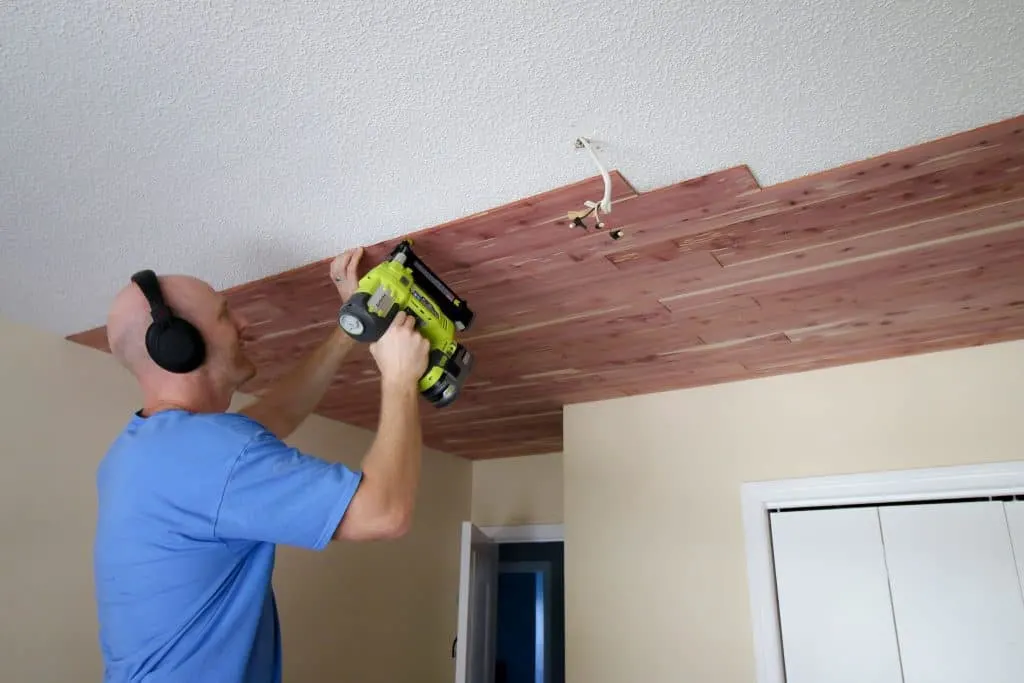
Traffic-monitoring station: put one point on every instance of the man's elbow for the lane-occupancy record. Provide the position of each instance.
(396, 524)
(375, 521)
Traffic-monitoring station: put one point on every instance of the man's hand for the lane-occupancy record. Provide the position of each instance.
(344, 272)
(401, 353)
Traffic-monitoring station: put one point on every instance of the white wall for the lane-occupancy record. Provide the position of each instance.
(385, 611)
(656, 586)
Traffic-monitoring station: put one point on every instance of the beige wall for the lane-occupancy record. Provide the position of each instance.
(515, 491)
(656, 586)
(381, 612)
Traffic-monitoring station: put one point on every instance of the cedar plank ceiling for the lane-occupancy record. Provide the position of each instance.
(715, 279)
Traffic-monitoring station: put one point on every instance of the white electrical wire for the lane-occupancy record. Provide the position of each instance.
(606, 201)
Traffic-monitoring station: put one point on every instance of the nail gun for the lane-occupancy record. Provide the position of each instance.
(404, 283)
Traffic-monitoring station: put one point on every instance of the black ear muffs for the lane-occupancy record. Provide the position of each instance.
(172, 342)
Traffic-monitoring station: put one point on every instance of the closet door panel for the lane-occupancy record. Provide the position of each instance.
(1015, 518)
(835, 612)
(955, 591)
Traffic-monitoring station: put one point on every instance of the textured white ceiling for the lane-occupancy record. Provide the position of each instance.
(233, 140)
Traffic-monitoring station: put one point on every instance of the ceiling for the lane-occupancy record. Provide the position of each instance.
(235, 140)
(713, 279)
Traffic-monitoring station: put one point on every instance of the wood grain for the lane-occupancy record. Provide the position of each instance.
(713, 279)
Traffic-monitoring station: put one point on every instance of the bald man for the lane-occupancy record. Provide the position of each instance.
(193, 500)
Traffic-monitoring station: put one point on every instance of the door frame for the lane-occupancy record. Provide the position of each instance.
(759, 498)
(471, 534)
(525, 533)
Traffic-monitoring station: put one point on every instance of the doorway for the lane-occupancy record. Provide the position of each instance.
(530, 629)
(511, 613)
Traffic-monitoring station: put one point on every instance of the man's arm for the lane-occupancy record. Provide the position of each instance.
(383, 504)
(293, 397)
(277, 494)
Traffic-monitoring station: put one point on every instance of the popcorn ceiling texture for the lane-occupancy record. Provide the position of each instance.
(234, 140)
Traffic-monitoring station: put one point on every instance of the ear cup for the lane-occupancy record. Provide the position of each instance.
(175, 345)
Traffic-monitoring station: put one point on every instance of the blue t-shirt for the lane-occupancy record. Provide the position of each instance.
(191, 507)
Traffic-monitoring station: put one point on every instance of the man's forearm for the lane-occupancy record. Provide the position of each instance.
(293, 397)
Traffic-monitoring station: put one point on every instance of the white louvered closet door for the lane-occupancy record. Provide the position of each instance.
(835, 613)
(956, 592)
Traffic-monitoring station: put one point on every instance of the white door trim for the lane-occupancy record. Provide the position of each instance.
(757, 498)
(526, 533)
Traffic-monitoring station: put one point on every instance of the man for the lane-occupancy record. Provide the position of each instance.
(193, 500)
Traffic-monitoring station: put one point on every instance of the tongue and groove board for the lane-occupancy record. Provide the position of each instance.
(715, 279)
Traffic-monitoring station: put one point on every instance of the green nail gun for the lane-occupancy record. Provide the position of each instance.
(404, 283)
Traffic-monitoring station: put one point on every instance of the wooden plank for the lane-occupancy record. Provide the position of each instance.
(566, 351)
(566, 390)
(953, 192)
(549, 422)
(948, 253)
(485, 449)
(666, 260)
(733, 311)
(486, 412)
(596, 292)
(820, 308)
(833, 293)
(948, 333)
(95, 338)
(919, 291)
(674, 375)
(1002, 216)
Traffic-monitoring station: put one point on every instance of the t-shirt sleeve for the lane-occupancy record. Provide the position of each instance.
(277, 494)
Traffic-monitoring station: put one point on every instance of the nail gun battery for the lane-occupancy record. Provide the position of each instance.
(455, 372)
(452, 306)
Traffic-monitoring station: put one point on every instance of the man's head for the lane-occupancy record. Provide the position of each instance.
(225, 367)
